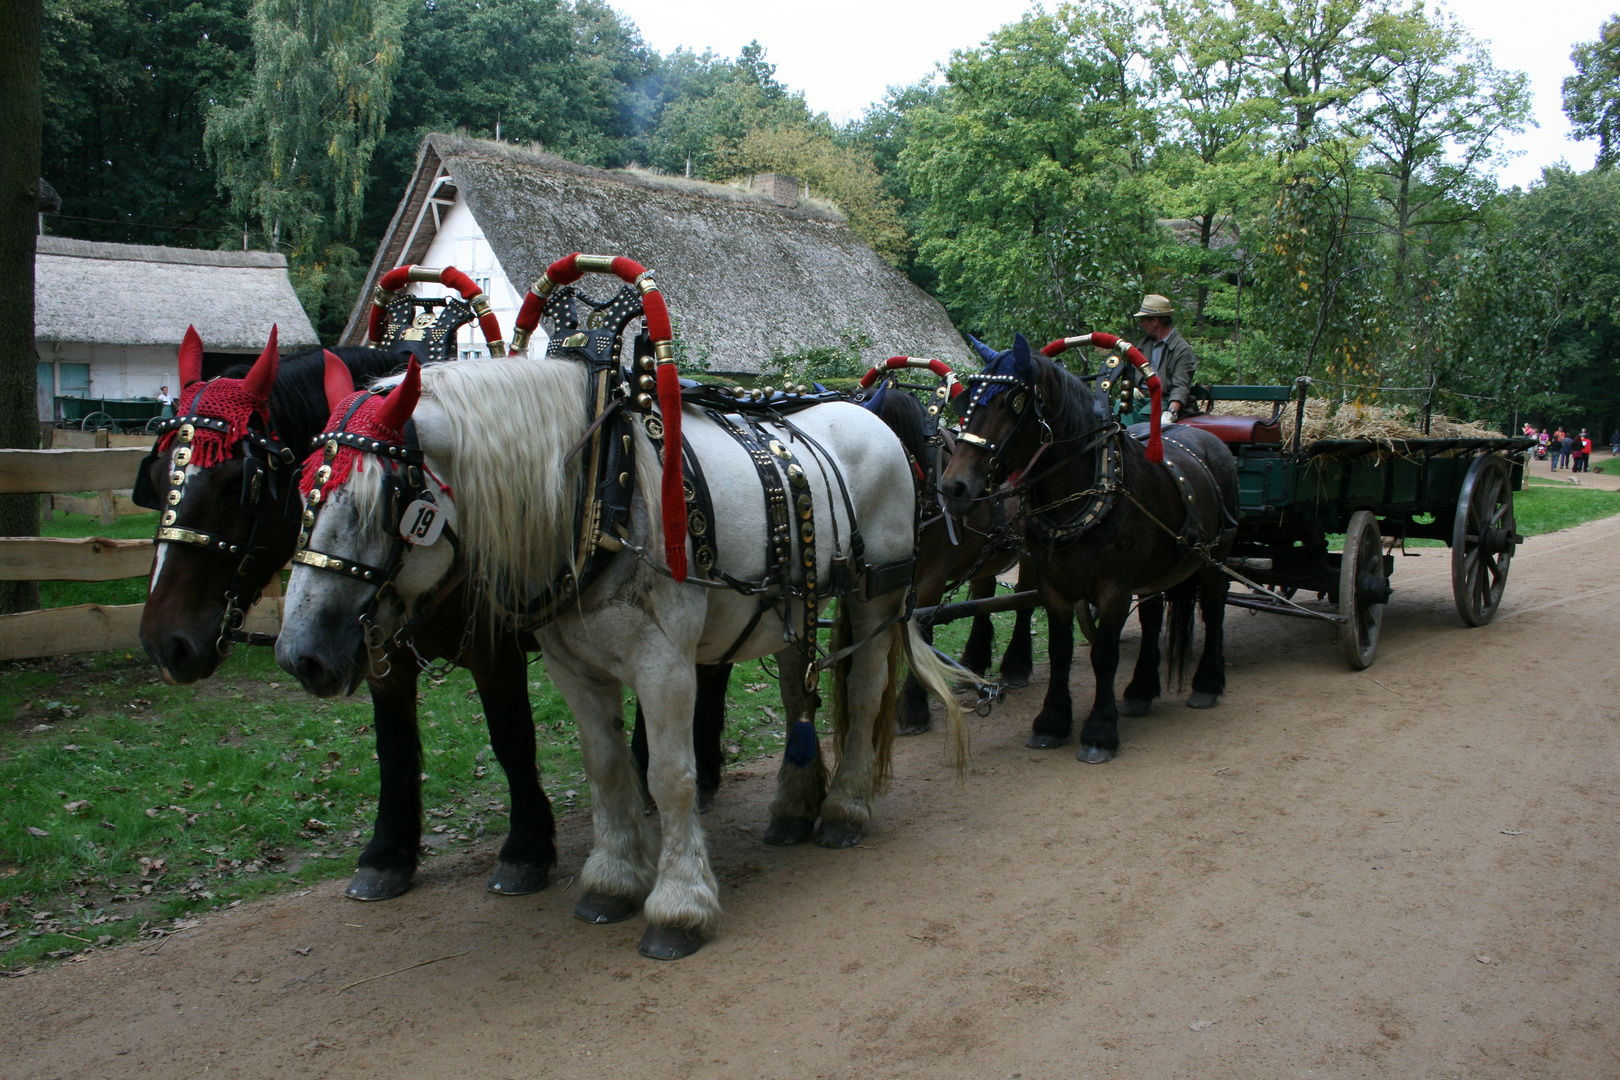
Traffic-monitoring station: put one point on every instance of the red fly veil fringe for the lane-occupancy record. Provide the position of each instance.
(380, 418)
(235, 401)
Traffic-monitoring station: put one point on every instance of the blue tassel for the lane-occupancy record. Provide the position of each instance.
(802, 747)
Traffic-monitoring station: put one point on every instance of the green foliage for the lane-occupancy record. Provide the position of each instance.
(295, 151)
(844, 361)
(842, 173)
(1592, 94)
(1027, 173)
(126, 87)
(710, 105)
(1540, 509)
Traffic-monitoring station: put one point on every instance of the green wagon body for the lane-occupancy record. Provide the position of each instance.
(1295, 502)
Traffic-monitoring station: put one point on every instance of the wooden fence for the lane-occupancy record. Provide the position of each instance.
(110, 471)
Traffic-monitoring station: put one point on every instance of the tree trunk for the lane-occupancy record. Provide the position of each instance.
(19, 210)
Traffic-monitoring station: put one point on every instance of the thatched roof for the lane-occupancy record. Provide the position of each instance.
(745, 278)
(135, 294)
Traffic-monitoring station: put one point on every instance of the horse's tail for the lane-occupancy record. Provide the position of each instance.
(883, 725)
(1181, 603)
(937, 678)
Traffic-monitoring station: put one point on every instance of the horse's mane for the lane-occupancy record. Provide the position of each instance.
(298, 400)
(1072, 408)
(908, 419)
(505, 428)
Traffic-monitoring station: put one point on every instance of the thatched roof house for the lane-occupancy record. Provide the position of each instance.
(745, 276)
(109, 317)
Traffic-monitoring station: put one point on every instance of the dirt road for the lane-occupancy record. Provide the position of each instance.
(1403, 872)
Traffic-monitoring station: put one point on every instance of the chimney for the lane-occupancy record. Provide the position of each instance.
(782, 189)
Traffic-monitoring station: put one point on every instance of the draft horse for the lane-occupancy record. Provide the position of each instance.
(490, 450)
(1103, 522)
(224, 475)
(975, 549)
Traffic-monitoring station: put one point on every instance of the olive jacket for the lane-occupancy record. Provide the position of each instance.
(1172, 360)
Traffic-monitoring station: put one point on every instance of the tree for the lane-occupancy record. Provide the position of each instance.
(19, 203)
(1027, 174)
(126, 87)
(1592, 94)
(1433, 124)
(295, 152)
(843, 174)
(713, 106)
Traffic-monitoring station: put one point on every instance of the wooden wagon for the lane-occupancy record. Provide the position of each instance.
(1296, 499)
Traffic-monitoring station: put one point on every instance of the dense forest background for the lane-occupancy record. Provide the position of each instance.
(1311, 180)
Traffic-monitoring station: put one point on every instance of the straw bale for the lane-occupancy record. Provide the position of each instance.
(1353, 421)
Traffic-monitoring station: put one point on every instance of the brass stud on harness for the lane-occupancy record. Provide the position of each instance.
(331, 449)
(644, 402)
(182, 457)
(174, 498)
(796, 476)
(646, 382)
(323, 474)
(187, 433)
(177, 478)
(169, 517)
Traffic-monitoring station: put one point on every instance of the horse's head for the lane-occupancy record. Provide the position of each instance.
(223, 486)
(378, 534)
(1003, 425)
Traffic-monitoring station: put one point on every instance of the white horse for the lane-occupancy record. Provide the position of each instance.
(495, 436)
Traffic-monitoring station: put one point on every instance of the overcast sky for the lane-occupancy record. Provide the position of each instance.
(843, 54)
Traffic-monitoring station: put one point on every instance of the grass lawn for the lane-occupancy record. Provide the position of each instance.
(132, 805)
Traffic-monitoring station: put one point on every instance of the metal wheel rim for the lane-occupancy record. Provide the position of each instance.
(1363, 548)
(1478, 577)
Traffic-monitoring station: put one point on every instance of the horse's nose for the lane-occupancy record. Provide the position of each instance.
(958, 492)
(181, 658)
(314, 674)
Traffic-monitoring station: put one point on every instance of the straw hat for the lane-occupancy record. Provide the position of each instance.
(1154, 306)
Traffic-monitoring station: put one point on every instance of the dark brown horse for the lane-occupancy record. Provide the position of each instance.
(231, 524)
(974, 549)
(1102, 524)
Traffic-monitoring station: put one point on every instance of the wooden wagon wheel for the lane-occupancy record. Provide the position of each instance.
(1363, 589)
(1483, 538)
(98, 421)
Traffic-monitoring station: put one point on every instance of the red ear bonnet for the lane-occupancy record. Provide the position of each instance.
(401, 400)
(339, 383)
(262, 376)
(191, 357)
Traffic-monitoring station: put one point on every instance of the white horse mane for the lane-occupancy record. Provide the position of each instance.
(497, 430)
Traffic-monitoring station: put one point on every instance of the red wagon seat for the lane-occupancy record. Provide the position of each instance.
(1237, 430)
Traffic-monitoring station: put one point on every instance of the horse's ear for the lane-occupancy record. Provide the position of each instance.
(191, 357)
(401, 400)
(1020, 351)
(262, 376)
(986, 353)
(339, 383)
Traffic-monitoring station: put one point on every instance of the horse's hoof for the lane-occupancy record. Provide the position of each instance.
(370, 883)
(1045, 742)
(787, 831)
(911, 728)
(669, 943)
(705, 800)
(1202, 699)
(595, 907)
(1094, 755)
(837, 834)
(1014, 679)
(511, 879)
(1128, 707)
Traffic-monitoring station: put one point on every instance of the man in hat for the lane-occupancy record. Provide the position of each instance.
(1168, 354)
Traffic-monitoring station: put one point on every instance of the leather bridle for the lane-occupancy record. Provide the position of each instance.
(265, 462)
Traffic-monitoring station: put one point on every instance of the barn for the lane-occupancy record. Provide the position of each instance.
(109, 317)
(749, 274)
